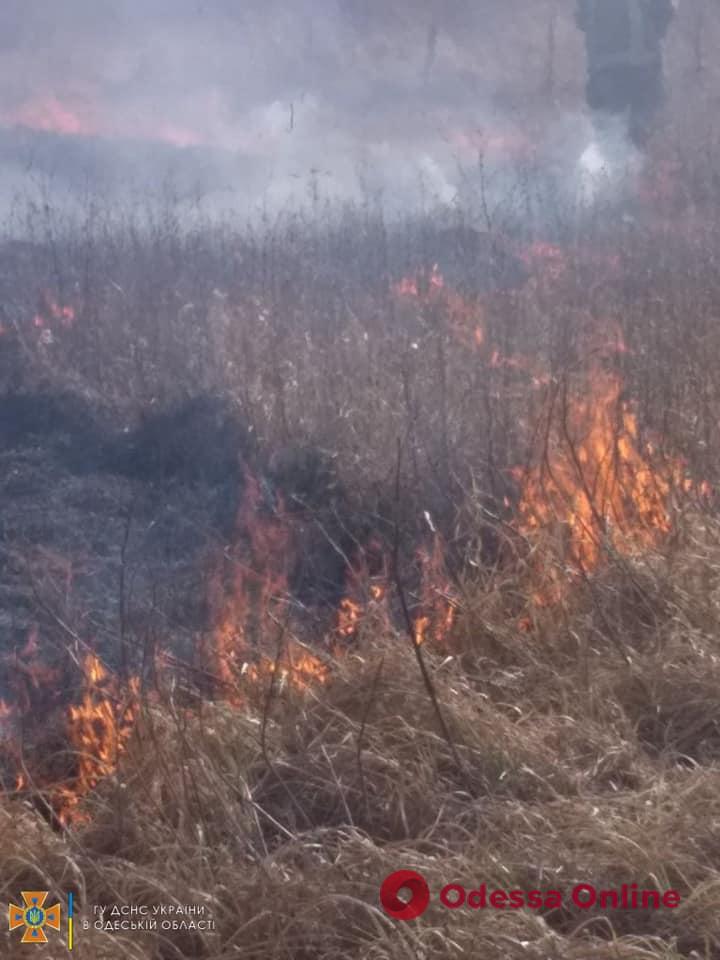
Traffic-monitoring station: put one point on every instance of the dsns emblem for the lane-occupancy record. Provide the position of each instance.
(34, 916)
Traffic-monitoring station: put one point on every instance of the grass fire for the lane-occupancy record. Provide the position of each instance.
(359, 528)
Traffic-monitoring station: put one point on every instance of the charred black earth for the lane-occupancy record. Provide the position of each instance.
(109, 530)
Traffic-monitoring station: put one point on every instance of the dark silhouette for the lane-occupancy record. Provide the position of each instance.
(623, 40)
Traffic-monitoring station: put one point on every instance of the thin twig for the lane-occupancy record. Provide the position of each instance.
(425, 673)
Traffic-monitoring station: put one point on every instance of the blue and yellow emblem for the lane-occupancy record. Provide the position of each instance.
(34, 916)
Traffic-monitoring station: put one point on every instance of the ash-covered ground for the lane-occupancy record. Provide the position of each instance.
(113, 530)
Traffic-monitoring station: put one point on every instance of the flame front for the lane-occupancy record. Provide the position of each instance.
(594, 485)
(593, 488)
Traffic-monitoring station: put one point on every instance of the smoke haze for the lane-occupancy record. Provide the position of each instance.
(266, 99)
(265, 102)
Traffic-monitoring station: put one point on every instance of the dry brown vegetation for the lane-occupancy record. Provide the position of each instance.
(561, 724)
(577, 766)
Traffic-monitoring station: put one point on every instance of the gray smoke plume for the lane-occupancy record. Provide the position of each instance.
(265, 102)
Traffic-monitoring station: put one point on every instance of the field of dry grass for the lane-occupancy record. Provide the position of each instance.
(507, 436)
(283, 819)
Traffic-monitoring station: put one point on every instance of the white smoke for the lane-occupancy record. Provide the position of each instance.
(609, 160)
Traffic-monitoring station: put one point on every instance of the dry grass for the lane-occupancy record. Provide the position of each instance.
(584, 736)
(576, 769)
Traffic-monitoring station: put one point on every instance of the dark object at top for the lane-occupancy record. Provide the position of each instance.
(624, 32)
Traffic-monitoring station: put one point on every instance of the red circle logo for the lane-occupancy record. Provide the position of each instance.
(404, 909)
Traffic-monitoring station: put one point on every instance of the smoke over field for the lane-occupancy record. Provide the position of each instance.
(254, 104)
(359, 486)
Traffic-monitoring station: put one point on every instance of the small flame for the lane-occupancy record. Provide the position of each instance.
(80, 119)
(420, 627)
(297, 667)
(50, 311)
(348, 618)
(437, 617)
(462, 315)
(49, 114)
(431, 281)
(99, 728)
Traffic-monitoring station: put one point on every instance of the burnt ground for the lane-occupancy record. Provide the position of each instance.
(86, 545)
(110, 533)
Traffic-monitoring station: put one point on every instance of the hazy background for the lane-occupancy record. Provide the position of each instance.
(258, 102)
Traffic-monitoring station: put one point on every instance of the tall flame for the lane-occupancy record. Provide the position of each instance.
(98, 729)
(251, 610)
(594, 483)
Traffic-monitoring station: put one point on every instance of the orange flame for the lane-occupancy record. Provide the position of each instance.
(463, 316)
(297, 667)
(49, 114)
(6, 713)
(50, 310)
(98, 728)
(257, 584)
(249, 615)
(424, 284)
(348, 618)
(436, 621)
(366, 593)
(593, 485)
